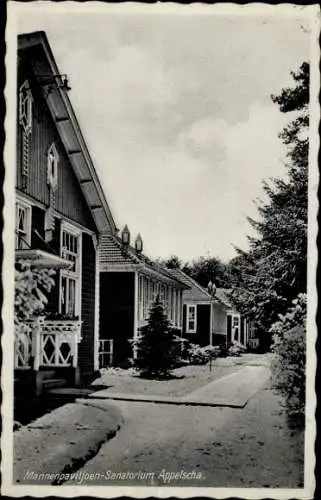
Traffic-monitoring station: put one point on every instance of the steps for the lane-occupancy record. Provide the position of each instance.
(51, 373)
(53, 383)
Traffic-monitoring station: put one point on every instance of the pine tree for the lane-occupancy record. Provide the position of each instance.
(157, 351)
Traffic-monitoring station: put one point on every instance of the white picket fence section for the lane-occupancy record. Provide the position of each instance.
(253, 343)
(49, 343)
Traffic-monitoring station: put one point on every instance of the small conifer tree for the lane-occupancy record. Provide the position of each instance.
(156, 348)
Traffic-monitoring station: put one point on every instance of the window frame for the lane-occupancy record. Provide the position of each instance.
(25, 103)
(236, 324)
(52, 161)
(27, 207)
(70, 274)
(190, 307)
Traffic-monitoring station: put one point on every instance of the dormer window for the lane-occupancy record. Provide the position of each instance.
(25, 107)
(52, 166)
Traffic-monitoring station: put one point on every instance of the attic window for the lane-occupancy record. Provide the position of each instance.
(25, 107)
(52, 166)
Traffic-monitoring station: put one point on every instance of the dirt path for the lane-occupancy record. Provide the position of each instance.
(217, 447)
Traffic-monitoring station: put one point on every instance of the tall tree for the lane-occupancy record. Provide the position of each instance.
(174, 262)
(272, 273)
(207, 269)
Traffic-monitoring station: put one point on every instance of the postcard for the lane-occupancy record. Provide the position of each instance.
(160, 250)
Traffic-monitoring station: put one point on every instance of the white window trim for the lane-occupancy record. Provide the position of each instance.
(26, 86)
(180, 312)
(238, 317)
(27, 206)
(177, 308)
(52, 180)
(188, 307)
(66, 226)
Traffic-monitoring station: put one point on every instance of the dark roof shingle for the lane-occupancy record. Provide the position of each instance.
(112, 252)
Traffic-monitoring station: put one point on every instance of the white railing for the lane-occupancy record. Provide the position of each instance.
(253, 343)
(106, 351)
(50, 343)
(23, 348)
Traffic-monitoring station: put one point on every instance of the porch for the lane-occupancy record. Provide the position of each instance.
(46, 354)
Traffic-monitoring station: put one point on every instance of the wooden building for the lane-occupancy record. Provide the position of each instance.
(60, 212)
(129, 283)
(239, 327)
(204, 314)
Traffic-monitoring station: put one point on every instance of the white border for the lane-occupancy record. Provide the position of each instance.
(8, 263)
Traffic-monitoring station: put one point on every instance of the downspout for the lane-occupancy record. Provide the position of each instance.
(136, 305)
(211, 322)
(97, 302)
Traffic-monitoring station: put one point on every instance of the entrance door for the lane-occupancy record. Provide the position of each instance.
(229, 328)
(203, 328)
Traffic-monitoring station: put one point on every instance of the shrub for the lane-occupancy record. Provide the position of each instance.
(156, 348)
(212, 351)
(198, 355)
(183, 346)
(289, 348)
(296, 315)
(236, 349)
(223, 350)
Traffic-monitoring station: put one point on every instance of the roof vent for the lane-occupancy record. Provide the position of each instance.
(139, 244)
(125, 236)
(211, 288)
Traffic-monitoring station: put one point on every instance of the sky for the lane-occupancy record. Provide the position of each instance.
(176, 111)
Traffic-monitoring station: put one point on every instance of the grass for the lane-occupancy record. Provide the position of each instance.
(183, 380)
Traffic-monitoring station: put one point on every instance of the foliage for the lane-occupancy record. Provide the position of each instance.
(157, 347)
(289, 348)
(30, 287)
(174, 262)
(236, 349)
(198, 355)
(273, 272)
(206, 269)
(30, 298)
(203, 270)
(294, 316)
(223, 350)
(55, 316)
(182, 347)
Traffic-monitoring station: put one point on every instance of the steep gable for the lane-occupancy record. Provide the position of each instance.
(35, 48)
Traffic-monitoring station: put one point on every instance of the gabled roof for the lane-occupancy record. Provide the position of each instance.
(68, 129)
(113, 255)
(223, 295)
(197, 293)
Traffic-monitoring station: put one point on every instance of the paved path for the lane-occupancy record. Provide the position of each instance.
(233, 390)
(200, 446)
(62, 440)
